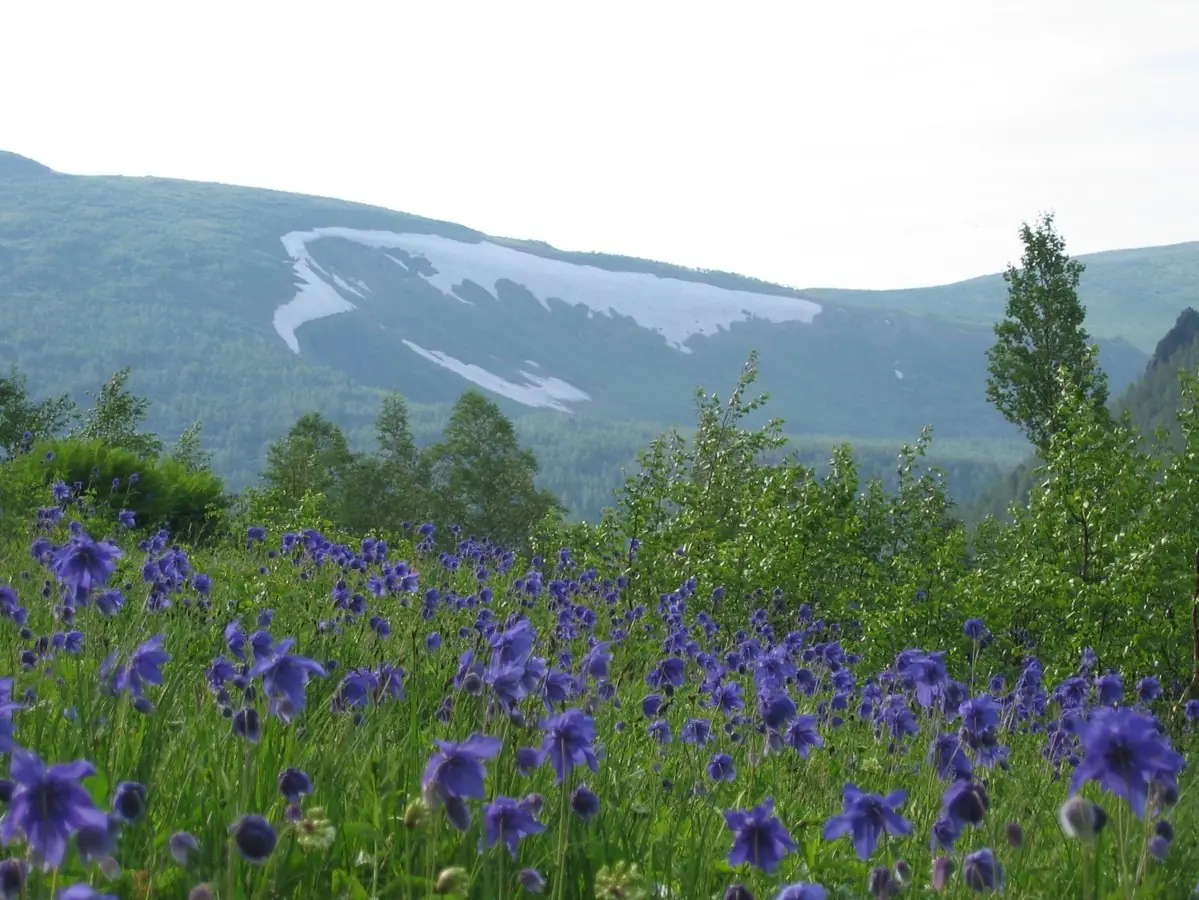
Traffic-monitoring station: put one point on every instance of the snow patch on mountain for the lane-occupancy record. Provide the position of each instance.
(672, 307)
(548, 393)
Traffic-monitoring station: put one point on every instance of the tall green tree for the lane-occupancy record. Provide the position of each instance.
(1042, 331)
(390, 487)
(115, 419)
(405, 469)
(482, 478)
(313, 457)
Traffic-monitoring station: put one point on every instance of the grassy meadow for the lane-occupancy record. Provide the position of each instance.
(473, 722)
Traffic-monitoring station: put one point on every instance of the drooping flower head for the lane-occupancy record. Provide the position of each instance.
(129, 801)
(981, 871)
(759, 838)
(285, 678)
(585, 803)
(293, 783)
(455, 772)
(965, 803)
(255, 838)
(570, 741)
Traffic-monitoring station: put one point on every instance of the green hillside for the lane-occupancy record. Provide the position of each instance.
(180, 281)
(1134, 294)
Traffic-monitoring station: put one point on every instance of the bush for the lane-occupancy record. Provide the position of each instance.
(160, 493)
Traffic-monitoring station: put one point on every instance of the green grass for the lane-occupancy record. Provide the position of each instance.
(660, 811)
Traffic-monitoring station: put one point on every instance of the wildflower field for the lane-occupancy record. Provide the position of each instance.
(284, 714)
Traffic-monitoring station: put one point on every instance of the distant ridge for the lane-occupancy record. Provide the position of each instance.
(13, 165)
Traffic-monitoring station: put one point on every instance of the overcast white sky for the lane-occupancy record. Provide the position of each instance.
(848, 144)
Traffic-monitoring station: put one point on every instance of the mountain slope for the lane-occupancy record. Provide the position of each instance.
(1134, 294)
(245, 307)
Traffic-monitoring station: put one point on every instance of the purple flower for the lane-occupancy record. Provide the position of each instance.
(982, 872)
(455, 772)
(650, 704)
(585, 803)
(7, 708)
(531, 880)
(776, 709)
(293, 783)
(1124, 752)
(965, 803)
(284, 678)
(182, 845)
(721, 768)
(508, 821)
(247, 725)
(129, 801)
(697, 731)
(13, 873)
(801, 892)
(83, 564)
(570, 741)
(946, 832)
(979, 714)
(803, 736)
(49, 805)
(942, 872)
(144, 666)
(98, 844)
(83, 891)
(528, 759)
(975, 630)
(927, 673)
(759, 838)
(1110, 688)
(945, 752)
(866, 817)
(1149, 689)
(255, 838)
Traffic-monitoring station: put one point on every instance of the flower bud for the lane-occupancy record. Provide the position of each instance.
(531, 881)
(1015, 835)
(1078, 818)
(415, 813)
(450, 880)
(881, 884)
(942, 872)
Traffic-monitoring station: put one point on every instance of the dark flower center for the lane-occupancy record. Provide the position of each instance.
(1120, 757)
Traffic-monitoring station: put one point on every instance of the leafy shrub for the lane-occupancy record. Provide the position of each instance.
(163, 492)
